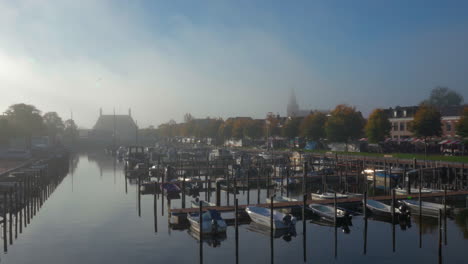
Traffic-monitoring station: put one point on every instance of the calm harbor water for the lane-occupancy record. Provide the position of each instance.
(90, 218)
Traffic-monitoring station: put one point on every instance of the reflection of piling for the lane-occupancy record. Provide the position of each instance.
(365, 232)
(155, 207)
(393, 220)
(200, 219)
(440, 235)
(20, 208)
(16, 210)
(236, 225)
(5, 242)
(445, 215)
(271, 230)
(420, 212)
(10, 214)
(304, 231)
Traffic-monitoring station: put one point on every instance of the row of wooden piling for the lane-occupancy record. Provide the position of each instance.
(22, 202)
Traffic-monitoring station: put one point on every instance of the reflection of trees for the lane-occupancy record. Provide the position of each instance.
(429, 225)
(104, 162)
(462, 221)
(73, 162)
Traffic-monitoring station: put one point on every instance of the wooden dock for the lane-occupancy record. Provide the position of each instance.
(176, 211)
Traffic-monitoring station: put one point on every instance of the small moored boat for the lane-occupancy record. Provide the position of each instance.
(427, 208)
(196, 203)
(381, 209)
(170, 188)
(328, 195)
(261, 216)
(212, 222)
(327, 212)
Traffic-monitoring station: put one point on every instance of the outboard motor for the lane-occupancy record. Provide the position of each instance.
(287, 220)
(404, 210)
(214, 226)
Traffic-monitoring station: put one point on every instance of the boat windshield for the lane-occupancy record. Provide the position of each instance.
(211, 215)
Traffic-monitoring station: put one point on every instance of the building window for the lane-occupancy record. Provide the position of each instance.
(448, 126)
(395, 126)
(404, 113)
(402, 126)
(395, 113)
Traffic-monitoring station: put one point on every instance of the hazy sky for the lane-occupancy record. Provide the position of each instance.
(227, 58)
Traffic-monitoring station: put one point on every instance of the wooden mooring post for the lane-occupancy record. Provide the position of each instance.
(155, 208)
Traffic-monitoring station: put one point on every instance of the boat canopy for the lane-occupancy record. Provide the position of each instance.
(211, 215)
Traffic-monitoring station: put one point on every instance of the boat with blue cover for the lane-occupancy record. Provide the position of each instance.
(212, 222)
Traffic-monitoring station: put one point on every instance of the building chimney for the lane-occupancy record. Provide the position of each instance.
(100, 111)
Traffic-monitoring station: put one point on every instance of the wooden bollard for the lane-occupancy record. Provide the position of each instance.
(287, 180)
(364, 205)
(236, 225)
(200, 219)
(248, 185)
(374, 181)
(183, 191)
(218, 193)
(258, 184)
(304, 178)
(139, 195)
(334, 208)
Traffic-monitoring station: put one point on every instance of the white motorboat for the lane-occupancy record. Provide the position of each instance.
(262, 216)
(427, 208)
(403, 191)
(196, 204)
(327, 195)
(381, 209)
(212, 222)
(327, 212)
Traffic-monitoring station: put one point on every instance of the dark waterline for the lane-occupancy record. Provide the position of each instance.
(91, 219)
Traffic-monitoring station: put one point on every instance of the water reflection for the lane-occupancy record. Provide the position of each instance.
(461, 219)
(105, 218)
(210, 240)
(285, 234)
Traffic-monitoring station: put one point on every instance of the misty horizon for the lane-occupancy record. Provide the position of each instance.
(224, 59)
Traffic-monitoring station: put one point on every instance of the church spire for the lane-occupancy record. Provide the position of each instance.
(293, 107)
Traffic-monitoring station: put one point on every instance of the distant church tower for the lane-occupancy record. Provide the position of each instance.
(293, 107)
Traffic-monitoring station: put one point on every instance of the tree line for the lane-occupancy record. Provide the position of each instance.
(342, 124)
(25, 121)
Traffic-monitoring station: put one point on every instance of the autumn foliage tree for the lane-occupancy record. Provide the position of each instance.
(313, 126)
(344, 124)
(291, 128)
(426, 123)
(462, 126)
(378, 126)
